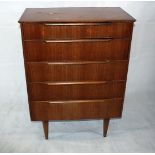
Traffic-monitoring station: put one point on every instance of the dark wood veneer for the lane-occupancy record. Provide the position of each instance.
(86, 90)
(75, 14)
(47, 71)
(76, 30)
(76, 63)
(45, 110)
(113, 49)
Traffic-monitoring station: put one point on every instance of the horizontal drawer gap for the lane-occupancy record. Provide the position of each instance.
(77, 83)
(79, 62)
(79, 101)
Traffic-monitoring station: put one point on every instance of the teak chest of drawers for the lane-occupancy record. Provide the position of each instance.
(76, 62)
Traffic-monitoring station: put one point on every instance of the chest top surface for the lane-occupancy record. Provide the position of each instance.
(76, 14)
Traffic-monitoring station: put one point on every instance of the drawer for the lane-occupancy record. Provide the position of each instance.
(34, 31)
(83, 50)
(76, 71)
(76, 90)
(76, 109)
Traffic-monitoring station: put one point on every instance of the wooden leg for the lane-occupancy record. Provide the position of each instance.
(45, 126)
(105, 126)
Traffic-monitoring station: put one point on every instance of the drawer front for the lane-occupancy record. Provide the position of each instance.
(96, 30)
(76, 31)
(77, 71)
(86, 50)
(76, 90)
(74, 110)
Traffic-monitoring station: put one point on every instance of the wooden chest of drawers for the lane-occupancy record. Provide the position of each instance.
(76, 62)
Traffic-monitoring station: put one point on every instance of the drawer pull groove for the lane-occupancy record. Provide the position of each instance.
(77, 83)
(78, 101)
(79, 40)
(75, 101)
(77, 24)
(78, 63)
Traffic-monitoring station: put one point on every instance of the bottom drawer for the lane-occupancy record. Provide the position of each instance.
(76, 109)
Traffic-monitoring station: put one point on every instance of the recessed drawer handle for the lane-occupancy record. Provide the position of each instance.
(79, 40)
(78, 63)
(76, 101)
(77, 24)
(77, 83)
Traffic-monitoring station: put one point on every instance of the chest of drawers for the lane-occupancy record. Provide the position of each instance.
(76, 62)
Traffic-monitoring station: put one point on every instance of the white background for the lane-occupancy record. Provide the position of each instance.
(13, 97)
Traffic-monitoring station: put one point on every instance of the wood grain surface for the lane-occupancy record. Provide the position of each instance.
(96, 50)
(76, 62)
(43, 31)
(77, 71)
(76, 14)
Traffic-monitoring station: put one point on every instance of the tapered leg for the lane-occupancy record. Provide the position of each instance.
(105, 126)
(45, 126)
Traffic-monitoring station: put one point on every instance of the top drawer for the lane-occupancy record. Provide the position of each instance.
(32, 31)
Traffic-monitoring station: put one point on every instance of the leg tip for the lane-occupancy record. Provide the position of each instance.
(105, 134)
(46, 138)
